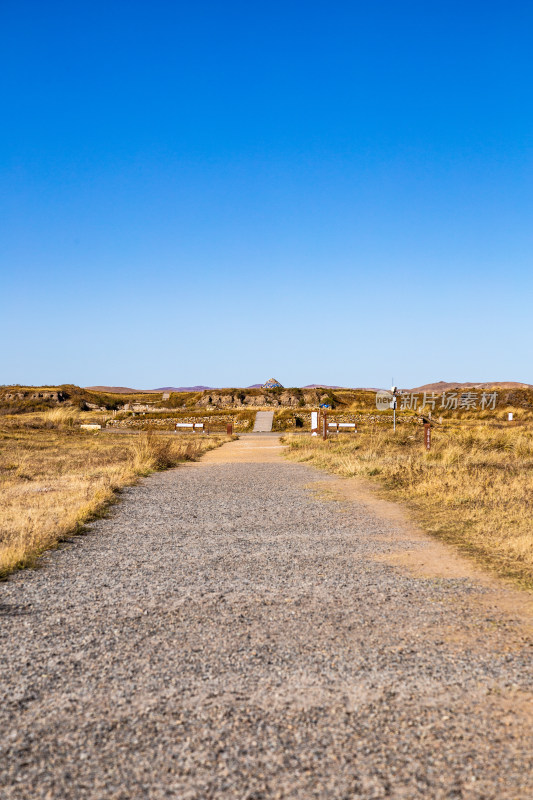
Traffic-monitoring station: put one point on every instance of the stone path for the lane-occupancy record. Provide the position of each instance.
(263, 421)
(235, 629)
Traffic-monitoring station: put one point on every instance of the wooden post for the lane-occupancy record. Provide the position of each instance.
(229, 429)
(325, 426)
(427, 436)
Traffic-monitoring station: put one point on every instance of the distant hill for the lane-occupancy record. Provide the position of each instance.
(184, 389)
(444, 386)
(321, 386)
(125, 390)
(439, 386)
(309, 386)
(119, 390)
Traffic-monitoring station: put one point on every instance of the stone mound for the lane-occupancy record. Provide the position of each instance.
(272, 383)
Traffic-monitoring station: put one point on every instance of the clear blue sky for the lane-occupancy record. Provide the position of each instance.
(219, 193)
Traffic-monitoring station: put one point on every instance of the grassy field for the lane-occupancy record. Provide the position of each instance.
(474, 487)
(54, 478)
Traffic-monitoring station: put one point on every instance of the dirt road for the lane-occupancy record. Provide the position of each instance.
(249, 628)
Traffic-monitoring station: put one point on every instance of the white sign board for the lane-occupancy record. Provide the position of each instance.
(314, 422)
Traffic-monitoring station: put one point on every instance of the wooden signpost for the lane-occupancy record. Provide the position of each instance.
(427, 436)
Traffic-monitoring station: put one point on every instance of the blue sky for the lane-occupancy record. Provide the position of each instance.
(221, 192)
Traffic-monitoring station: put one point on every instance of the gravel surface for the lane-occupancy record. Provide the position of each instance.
(228, 633)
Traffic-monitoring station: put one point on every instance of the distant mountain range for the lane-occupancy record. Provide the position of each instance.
(321, 386)
(444, 386)
(440, 386)
(126, 390)
(309, 386)
(184, 389)
(119, 390)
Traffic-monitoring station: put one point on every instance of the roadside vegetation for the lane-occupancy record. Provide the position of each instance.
(54, 477)
(473, 488)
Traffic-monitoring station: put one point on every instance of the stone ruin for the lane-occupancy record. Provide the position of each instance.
(272, 383)
(58, 396)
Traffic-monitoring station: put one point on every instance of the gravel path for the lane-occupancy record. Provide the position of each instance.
(229, 633)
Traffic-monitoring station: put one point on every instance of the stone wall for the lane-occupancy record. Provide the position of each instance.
(216, 423)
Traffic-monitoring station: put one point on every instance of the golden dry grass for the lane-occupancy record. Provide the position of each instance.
(474, 488)
(54, 478)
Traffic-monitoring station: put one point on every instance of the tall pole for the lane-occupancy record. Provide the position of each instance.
(394, 391)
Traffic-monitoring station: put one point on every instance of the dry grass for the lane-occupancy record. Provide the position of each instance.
(59, 417)
(473, 488)
(54, 478)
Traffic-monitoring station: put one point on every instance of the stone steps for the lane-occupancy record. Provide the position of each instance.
(263, 421)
